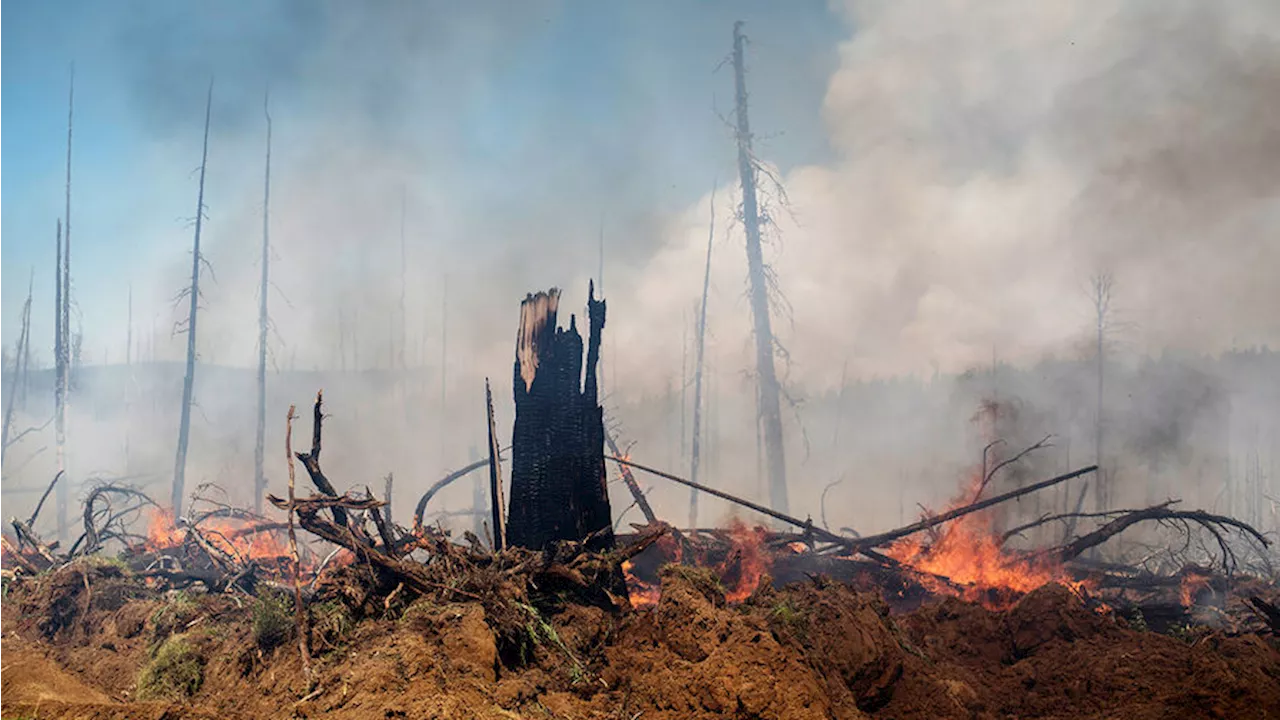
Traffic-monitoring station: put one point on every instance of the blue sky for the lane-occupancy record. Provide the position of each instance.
(557, 113)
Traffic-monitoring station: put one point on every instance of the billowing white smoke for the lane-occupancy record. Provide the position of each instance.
(992, 157)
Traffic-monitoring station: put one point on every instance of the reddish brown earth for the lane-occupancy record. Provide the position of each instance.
(75, 643)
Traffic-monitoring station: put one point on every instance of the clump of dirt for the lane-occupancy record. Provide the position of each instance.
(1051, 656)
(845, 636)
(56, 606)
(693, 657)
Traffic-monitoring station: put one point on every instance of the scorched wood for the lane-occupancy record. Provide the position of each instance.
(558, 489)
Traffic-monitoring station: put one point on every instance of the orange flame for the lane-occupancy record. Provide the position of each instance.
(642, 594)
(968, 552)
(1192, 583)
(747, 561)
(232, 536)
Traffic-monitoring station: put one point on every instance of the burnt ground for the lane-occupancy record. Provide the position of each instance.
(91, 641)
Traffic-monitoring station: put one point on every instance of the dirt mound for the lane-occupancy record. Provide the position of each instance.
(811, 650)
(1050, 656)
(693, 657)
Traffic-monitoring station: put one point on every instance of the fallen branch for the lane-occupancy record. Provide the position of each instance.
(311, 460)
(887, 537)
(31, 521)
(630, 481)
(442, 483)
(1212, 523)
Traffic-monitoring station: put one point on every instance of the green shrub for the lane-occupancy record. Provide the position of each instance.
(331, 620)
(179, 610)
(272, 620)
(175, 673)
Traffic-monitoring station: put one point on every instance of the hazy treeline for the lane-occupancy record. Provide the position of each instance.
(1203, 429)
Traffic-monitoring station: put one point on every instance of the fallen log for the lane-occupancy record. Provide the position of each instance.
(1268, 612)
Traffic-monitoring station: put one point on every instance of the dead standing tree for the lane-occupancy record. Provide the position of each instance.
(259, 448)
(1100, 295)
(24, 341)
(63, 344)
(192, 292)
(695, 448)
(558, 489)
(770, 412)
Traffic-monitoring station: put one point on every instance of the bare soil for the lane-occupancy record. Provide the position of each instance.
(76, 641)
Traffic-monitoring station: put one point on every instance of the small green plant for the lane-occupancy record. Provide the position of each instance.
(332, 621)
(538, 629)
(1137, 621)
(786, 614)
(272, 620)
(173, 616)
(175, 673)
(704, 580)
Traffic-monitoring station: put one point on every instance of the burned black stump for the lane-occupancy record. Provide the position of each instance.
(558, 488)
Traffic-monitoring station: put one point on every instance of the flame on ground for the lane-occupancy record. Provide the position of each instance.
(740, 570)
(968, 551)
(238, 538)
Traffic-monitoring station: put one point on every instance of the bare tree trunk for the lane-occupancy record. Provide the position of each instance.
(404, 322)
(695, 448)
(1101, 296)
(128, 333)
(260, 447)
(769, 391)
(26, 370)
(24, 338)
(444, 362)
(64, 378)
(188, 382)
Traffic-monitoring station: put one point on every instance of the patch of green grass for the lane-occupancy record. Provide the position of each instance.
(174, 615)
(332, 621)
(272, 619)
(175, 673)
(784, 613)
(106, 561)
(539, 630)
(1137, 621)
(704, 580)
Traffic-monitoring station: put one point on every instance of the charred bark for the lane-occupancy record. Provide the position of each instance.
(558, 489)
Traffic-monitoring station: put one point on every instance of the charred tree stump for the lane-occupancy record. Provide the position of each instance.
(558, 489)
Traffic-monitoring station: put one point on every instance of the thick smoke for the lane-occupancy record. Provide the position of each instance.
(976, 164)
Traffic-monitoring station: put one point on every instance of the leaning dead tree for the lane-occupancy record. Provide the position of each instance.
(193, 293)
(558, 489)
(259, 447)
(769, 390)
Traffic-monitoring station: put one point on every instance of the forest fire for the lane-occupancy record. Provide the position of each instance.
(968, 553)
(241, 539)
